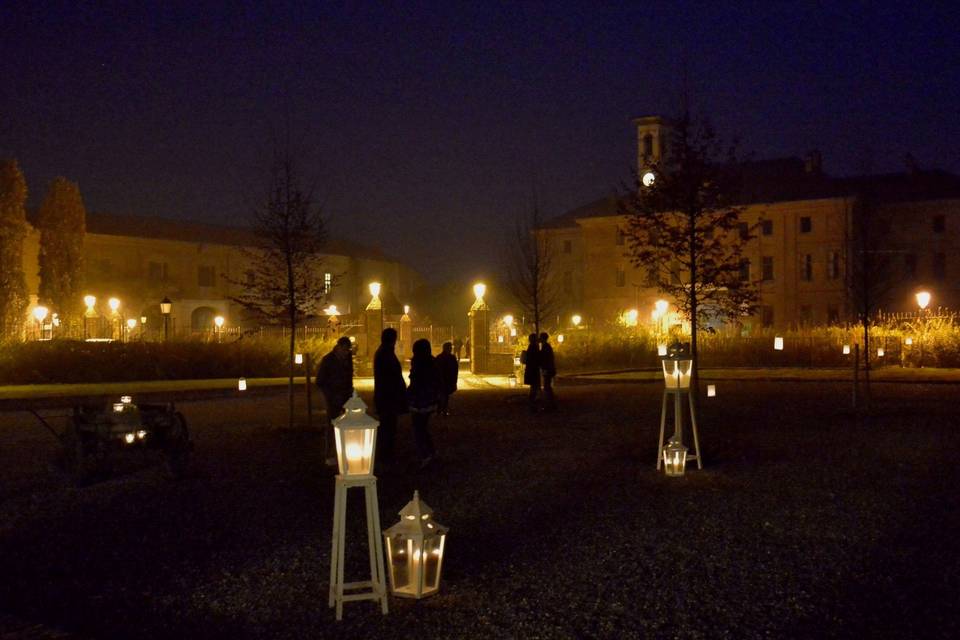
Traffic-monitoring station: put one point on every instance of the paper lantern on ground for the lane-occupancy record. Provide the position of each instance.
(676, 371)
(674, 458)
(356, 435)
(908, 341)
(846, 349)
(778, 343)
(880, 352)
(711, 390)
(661, 350)
(242, 384)
(415, 551)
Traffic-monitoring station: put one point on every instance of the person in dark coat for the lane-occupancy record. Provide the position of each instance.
(449, 371)
(424, 393)
(389, 394)
(335, 379)
(530, 359)
(548, 369)
(457, 347)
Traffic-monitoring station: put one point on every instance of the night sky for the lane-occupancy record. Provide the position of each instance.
(427, 128)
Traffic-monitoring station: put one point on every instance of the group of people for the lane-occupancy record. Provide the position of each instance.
(432, 381)
(539, 370)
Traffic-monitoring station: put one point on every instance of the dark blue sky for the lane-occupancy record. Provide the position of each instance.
(426, 127)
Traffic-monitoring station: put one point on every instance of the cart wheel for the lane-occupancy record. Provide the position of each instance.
(178, 447)
(76, 461)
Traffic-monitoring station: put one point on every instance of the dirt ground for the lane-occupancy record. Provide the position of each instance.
(805, 522)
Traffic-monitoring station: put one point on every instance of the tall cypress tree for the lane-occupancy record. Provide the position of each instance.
(13, 230)
(62, 222)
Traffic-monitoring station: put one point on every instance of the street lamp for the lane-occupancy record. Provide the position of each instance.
(114, 304)
(923, 300)
(576, 320)
(479, 289)
(91, 302)
(218, 323)
(165, 307)
(40, 314)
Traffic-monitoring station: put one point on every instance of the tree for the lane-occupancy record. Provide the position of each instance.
(62, 225)
(869, 275)
(529, 269)
(684, 228)
(285, 282)
(13, 230)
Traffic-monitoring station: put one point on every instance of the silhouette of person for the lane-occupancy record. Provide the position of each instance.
(449, 371)
(424, 393)
(389, 394)
(457, 347)
(530, 359)
(335, 379)
(548, 370)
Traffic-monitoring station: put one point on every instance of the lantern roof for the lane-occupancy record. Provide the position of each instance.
(355, 415)
(416, 519)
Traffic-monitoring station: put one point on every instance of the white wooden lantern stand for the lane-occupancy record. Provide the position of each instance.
(374, 588)
(677, 370)
(356, 436)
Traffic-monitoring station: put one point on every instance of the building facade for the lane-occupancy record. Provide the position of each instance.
(141, 261)
(800, 254)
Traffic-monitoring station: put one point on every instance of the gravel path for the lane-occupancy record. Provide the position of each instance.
(804, 523)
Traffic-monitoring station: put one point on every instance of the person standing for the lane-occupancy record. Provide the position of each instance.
(424, 392)
(389, 394)
(449, 371)
(548, 369)
(335, 379)
(530, 359)
(457, 347)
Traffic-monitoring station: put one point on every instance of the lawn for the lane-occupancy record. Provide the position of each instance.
(806, 522)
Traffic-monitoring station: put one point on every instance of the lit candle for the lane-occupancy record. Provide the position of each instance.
(354, 454)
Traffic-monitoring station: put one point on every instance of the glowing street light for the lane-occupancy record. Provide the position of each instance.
(91, 302)
(165, 307)
(630, 318)
(374, 289)
(479, 289)
(131, 323)
(648, 179)
(923, 299)
(40, 314)
(508, 320)
(218, 323)
(114, 304)
(661, 306)
(576, 320)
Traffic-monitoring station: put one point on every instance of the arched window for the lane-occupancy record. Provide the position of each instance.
(202, 318)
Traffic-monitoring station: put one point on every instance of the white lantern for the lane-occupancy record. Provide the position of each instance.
(674, 458)
(846, 349)
(298, 358)
(676, 371)
(560, 338)
(242, 384)
(512, 381)
(661, 350)
(908, 341)
(356, 436)
(711, 390)
(880, 352)
(415, 551)
(778, 343)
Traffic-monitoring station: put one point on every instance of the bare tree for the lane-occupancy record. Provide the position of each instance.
(684, 227)
(285, 282)
(529, 269)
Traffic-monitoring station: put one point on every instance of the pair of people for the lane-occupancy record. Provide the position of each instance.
(540, 366)
(392, 398)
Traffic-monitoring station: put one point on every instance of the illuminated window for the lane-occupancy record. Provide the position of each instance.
(327, 282)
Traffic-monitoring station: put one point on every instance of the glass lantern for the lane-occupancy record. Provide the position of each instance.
(846, 349)
(676, 371)
(415, 551)
(674, 458)
(356, 435)
(778, 343)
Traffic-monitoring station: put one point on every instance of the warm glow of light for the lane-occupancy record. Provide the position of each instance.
(661, 306)
(242, 384)
(909, 341)
(778, 343)
(923, 299)
(131, 323)
(331, 310)
(711, 390)
(560, 338)
(114, 304)
(90, 301)
(218, 321)
(630, 318)
(661, 349)
(508, 320)
(126, 399)
(406, 309)
(129, 438)
(298, 358)
(141, 434)
(118, 407)
(40, 313)
(846, 349)
(374, 289)
(880, 352)
(354, 453)
(648, 178)
(479, 290)
(576, 320)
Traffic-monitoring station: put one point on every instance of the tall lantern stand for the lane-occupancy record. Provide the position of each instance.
(356, 436)
(677, 370)
(415, 551)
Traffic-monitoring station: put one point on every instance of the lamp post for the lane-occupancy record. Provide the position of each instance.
(165, 307)
(91, 312)
(923, 301)
(478, 318)
(576, 319)
(143, 327)
(218, 325)
(40, 314)
(131, 325)
(373, 316)
(116, 320)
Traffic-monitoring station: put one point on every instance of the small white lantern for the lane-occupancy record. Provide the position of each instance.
(674, 458)
(512, 381)
(908, 341)
(298, 358)
(356, 436)
(676, 371)
(846, 349)
(242, 384)
(880, 352)
(560, 338)
(499, 338)
(661, 350)
(778, 343)
(415, 551)
(711, 390)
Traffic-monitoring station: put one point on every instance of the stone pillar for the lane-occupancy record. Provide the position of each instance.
(479, 318)
(406, 335)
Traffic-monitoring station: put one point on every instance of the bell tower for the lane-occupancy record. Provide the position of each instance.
(652, 133)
